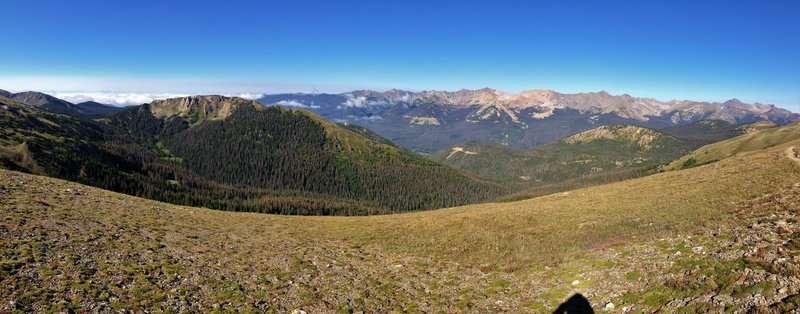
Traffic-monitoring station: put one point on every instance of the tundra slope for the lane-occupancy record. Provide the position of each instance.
(639, 245)
(756, 136)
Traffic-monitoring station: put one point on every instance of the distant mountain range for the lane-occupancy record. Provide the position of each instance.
(89, 109)
(432, 120)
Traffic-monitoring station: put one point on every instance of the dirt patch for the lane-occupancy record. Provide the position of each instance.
(792, 154)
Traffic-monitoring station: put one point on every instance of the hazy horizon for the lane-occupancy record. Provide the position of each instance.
(121, 98)
(709, 51)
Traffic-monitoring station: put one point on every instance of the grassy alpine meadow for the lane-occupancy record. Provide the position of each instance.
(759, 136)
(549, 229)
(69, 247)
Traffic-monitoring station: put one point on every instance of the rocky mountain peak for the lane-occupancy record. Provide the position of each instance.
(196, 108)
(733, 101)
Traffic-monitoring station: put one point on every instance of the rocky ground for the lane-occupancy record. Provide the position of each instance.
(69, 248)
(752, 267)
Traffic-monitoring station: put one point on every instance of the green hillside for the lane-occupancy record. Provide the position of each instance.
(230, 153)
(605, 154)
(706, 132)
(756, 136)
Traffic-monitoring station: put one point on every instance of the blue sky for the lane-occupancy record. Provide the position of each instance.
(700, 50)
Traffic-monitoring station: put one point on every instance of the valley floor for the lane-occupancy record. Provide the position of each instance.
(721, 237)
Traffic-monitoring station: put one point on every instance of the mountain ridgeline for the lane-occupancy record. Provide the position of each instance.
(430, 121)
(89, 109)
(234, 154)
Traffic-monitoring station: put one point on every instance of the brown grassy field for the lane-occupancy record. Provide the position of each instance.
(68, 247)
(762, 135)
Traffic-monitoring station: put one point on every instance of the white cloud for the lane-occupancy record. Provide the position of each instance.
(357, 102)
(131, 99)
(295, 104)
(370, 118)
(362, 102)
(114, 98)
(250, 96)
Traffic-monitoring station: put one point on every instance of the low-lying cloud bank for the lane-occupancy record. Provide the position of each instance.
(130, 99)
(293, 103)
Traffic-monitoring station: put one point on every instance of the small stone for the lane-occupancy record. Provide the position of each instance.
(610, 306)
(677, 253)
(576, 282)
(299, 311)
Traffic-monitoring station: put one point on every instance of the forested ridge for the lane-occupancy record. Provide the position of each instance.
(601, 155)
(255, 158)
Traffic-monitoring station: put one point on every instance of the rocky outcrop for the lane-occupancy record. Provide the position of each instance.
(196, 108)
(632, 135)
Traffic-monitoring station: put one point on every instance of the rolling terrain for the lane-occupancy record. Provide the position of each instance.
(601, 155)
(756, 136)
(607, 152)
(414, 157)
(705, 132)
(640, 245)
(234, 154)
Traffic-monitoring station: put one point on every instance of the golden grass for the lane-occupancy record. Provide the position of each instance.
(759, 138)
(547, 229)
(543, 230)
(451, 259)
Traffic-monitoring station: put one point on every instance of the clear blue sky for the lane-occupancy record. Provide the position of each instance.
(702, 50)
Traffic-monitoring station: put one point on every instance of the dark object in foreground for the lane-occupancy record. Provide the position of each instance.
(577, 304)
